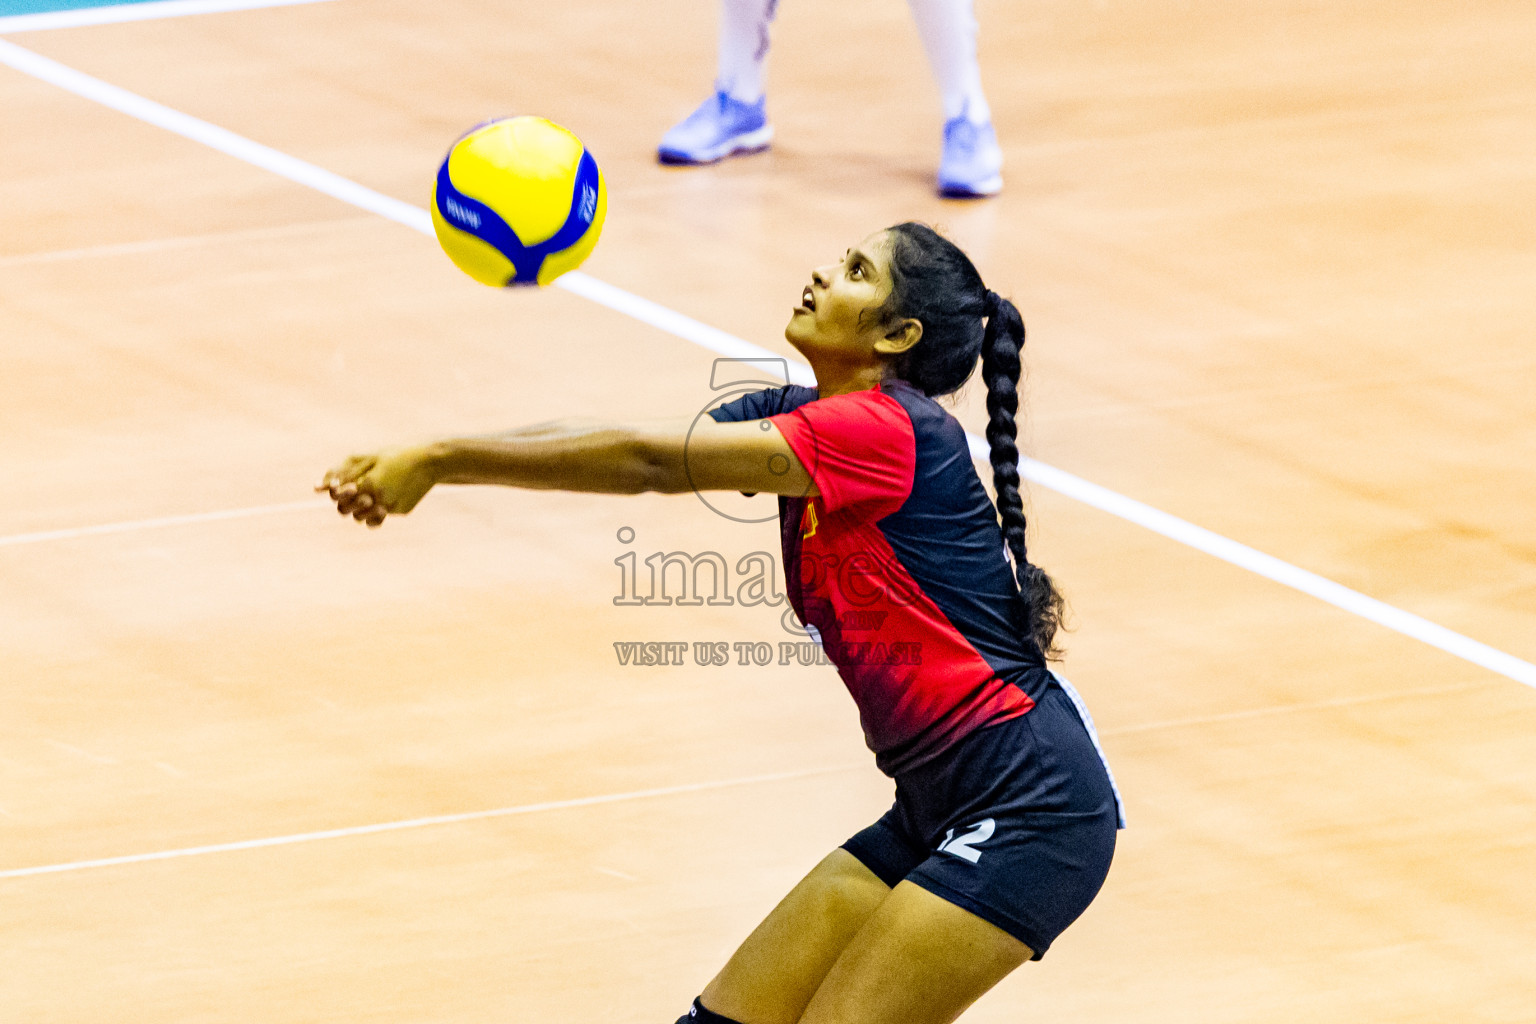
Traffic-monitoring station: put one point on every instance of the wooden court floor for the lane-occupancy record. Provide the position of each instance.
(1278, 263)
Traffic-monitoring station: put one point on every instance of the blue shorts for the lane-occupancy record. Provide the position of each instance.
(1015, 823)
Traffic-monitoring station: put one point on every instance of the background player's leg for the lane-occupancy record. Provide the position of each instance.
(948, 29)
(772, 977)
(918, 960)
(973, 163)
(735, 119)
(743, 52)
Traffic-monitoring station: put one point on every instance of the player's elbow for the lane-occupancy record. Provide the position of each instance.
(655, 465)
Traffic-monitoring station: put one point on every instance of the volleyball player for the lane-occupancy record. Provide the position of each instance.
(735, 121)
(1005, 816)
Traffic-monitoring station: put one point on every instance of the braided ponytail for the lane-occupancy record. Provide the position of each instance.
(1000, 368)
(935, 283)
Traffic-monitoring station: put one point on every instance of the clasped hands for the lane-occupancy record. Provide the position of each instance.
(369, 488)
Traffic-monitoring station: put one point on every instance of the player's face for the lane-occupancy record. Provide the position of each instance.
(838, 316)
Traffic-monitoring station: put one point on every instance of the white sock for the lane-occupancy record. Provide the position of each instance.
(948, 28)
(744, 47)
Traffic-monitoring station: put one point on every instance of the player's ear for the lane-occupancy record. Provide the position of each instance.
(901, 336)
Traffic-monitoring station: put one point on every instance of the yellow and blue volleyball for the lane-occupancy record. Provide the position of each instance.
(518, 201)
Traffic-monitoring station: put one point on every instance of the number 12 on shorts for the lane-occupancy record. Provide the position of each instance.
(962, 846)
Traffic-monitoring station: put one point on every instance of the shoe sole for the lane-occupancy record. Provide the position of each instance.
(974, 190)
(741, 145)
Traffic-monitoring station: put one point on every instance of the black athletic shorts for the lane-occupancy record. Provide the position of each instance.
(1015, 823)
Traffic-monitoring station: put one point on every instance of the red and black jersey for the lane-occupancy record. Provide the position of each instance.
(899, 566)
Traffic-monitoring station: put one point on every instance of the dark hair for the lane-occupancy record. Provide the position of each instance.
(935, 283)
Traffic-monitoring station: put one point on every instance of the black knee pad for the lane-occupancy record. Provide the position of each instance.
(699, 1015)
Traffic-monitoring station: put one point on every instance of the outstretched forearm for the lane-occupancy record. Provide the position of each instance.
(670, 456)
(568, 455)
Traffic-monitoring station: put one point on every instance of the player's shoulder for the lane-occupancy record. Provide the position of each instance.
(793, 396)
(882, 399)
(897, 405)
(870, 412)
(756, 405)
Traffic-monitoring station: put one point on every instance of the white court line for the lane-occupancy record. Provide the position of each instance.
(719, 341)
(211, 135)
(174, 242)
(117, 13)
(71, 533)
(439, 819)
(1270, 567)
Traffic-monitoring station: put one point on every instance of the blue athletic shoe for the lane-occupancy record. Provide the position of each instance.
(973, 164)
(721, 127)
